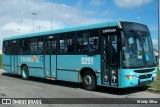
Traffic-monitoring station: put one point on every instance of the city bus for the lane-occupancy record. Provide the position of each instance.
(112, 54)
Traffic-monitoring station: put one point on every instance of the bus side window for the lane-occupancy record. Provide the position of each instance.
(81, 42)
(71, 47)
(47, 47)
(66, 43)
(88, 42)
(6, 47)
(24, 46)
(53, 47)
(36, 45)
(40, 47)
(114, 49)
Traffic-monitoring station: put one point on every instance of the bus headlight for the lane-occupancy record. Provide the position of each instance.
(129, 77)
(154, 75)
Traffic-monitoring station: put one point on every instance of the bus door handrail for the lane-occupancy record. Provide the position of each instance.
(111, 65)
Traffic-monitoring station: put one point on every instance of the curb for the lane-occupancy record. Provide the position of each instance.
(154, 90)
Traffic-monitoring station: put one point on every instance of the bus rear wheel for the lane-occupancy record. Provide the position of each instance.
(25, 73)
(89, 81)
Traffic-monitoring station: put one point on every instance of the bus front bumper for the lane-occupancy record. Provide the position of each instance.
(136, 82)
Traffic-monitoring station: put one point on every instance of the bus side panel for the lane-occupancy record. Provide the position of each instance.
(69, 65)
(34, 63)
(98, 75)
(19, 70)
(53, 66)
(36, 72)
(67, 76)
(6, 62)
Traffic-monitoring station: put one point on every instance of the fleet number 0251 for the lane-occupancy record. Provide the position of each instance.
(87, 61)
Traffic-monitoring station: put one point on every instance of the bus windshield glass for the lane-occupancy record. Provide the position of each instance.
(138, 49)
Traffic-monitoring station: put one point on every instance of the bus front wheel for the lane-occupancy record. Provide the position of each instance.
(89, 81)
(25, 73)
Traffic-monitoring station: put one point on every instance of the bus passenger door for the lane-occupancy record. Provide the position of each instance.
(14, 59)
(50, 58)
(109, 60)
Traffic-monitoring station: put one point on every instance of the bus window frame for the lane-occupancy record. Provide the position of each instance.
(75, 34)
(91, 31)
(135, 67)
(118, 66)
(47, 38)
(119, 45)
(38, 39)
(67, 36)
(3, 47)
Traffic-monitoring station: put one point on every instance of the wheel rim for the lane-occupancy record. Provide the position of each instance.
(88, 80)
(24, 73)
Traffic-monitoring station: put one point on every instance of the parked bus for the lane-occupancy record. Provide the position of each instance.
(114, 54)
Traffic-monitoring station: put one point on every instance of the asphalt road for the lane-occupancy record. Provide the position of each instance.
(12, 86)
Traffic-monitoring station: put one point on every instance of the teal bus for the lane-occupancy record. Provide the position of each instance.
(112, 54)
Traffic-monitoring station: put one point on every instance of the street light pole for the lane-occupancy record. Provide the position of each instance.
(39, 27)
(51, 15)
(33, 19)
(18, 31)
(138, 18)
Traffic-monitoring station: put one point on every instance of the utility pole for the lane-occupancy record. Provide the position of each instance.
(33, 19)
(39, 27)
(18, 31)
(51, 15)
(138, 18)
(159, 33)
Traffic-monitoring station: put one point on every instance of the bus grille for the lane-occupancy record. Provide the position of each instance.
(145, 76)
(144, 82)
(144, 70)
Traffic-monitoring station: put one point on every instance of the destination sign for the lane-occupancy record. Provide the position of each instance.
(109, 30)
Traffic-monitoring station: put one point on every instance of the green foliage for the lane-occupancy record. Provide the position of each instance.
(156, 84)
(0, 61)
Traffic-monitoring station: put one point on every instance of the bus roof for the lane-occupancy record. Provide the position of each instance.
(70, 29)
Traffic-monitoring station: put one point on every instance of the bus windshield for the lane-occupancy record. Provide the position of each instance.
(138, 49)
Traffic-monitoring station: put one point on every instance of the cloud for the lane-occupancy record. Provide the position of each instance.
(17, 14)
(97, 3)
(131, 3)
(21, 15)
(13, 26)
(79, 3)
(155, 43)
(153, 28)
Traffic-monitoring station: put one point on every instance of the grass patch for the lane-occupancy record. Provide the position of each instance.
(0, 61)
(156, 84)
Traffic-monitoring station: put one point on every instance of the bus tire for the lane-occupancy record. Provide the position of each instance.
(89, 81)
(25, 73)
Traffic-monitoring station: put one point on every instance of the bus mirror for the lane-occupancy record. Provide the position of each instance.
(95, 41)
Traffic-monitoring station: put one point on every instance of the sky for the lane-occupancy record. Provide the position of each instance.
(16, 16)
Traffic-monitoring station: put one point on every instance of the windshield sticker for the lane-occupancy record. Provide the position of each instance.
(147, 57)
